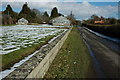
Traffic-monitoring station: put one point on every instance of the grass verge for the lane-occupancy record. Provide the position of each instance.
(73, 60)
(9, 25)
(11, 58)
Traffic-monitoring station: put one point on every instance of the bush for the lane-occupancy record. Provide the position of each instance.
(108, 30)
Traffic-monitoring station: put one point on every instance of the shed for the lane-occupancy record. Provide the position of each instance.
(22, 21)
(60, 21)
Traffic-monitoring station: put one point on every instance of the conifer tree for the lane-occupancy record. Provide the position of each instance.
(27, 13)
(46, 17)
(54, 13)
(25, 9)
(8, 10)
(10, 13)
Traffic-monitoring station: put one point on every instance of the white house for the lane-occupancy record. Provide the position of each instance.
(22, 21)
(60, 21)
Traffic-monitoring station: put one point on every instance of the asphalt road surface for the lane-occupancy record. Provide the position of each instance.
(105, 54)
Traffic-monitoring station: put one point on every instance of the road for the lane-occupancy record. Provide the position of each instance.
(105, 54)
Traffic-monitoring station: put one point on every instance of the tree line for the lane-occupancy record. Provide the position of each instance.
(32, 15)
(106, 21)
(110, 27)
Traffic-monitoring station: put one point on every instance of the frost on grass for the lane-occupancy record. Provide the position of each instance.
(15, 37)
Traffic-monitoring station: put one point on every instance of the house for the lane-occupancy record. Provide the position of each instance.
(22, 21)
(60, 21)
(99, 22)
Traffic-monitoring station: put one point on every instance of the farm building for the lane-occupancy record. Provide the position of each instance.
(99, 22)
(22, 21)
(60, 21)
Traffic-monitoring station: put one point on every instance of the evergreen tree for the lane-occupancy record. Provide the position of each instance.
(28, 14)
(46, 17)
(8, 10)
(45, 14)
(11, 13)
(25, 9)
(54, 13)
(25, 12)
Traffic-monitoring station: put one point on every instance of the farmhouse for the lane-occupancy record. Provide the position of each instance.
(60, 21)
(99, 22)
(22, 21)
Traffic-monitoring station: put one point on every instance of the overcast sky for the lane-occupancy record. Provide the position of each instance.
(82, 9)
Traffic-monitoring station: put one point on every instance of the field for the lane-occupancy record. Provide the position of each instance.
(17, 37)
(18, 41)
